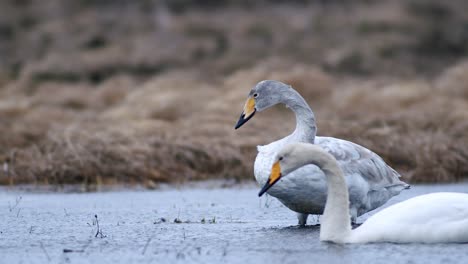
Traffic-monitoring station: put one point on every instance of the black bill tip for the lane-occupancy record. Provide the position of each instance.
(267, 186)
(243, 120)
(264, 189)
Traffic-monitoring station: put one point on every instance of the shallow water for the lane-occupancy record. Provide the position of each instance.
(218, 225)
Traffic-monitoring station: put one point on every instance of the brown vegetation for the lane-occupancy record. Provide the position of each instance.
(147, 94)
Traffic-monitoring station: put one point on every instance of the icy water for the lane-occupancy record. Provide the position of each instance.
(188, 225)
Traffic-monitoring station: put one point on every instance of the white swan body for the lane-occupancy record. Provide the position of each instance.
(430, 218)
(370, 180)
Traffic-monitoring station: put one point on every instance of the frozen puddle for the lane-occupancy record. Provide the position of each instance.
(190, 225)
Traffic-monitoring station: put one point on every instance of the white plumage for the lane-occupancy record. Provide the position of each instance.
(431, 218)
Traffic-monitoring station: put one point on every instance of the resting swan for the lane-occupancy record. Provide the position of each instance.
(430, 218)
(371, 182)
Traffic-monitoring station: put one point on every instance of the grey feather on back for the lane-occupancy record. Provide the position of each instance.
(355, 159)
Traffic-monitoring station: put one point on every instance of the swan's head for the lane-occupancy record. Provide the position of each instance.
(265, 94)
(292, 157)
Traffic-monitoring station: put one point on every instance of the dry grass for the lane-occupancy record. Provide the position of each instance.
(164, 131)
(87, 105)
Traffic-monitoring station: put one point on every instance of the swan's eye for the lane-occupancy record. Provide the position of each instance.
(255, 95)
(280, 158)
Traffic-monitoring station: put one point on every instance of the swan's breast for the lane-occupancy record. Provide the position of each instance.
(263, 163)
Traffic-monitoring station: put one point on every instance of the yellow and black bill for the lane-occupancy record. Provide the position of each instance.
(249, 112)
(275, 175)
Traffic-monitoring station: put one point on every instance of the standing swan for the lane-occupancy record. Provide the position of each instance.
(371, 182)
(430, 218)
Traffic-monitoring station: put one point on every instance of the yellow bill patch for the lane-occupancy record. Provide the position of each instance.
(275, 173)
(249, 107)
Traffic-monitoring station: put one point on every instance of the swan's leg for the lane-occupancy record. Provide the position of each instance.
(353, 214)
(302, 219)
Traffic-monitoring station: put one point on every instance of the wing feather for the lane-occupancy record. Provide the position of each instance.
(355, 159)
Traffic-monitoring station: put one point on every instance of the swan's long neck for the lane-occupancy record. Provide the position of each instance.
(306, 128)
(335, 223)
